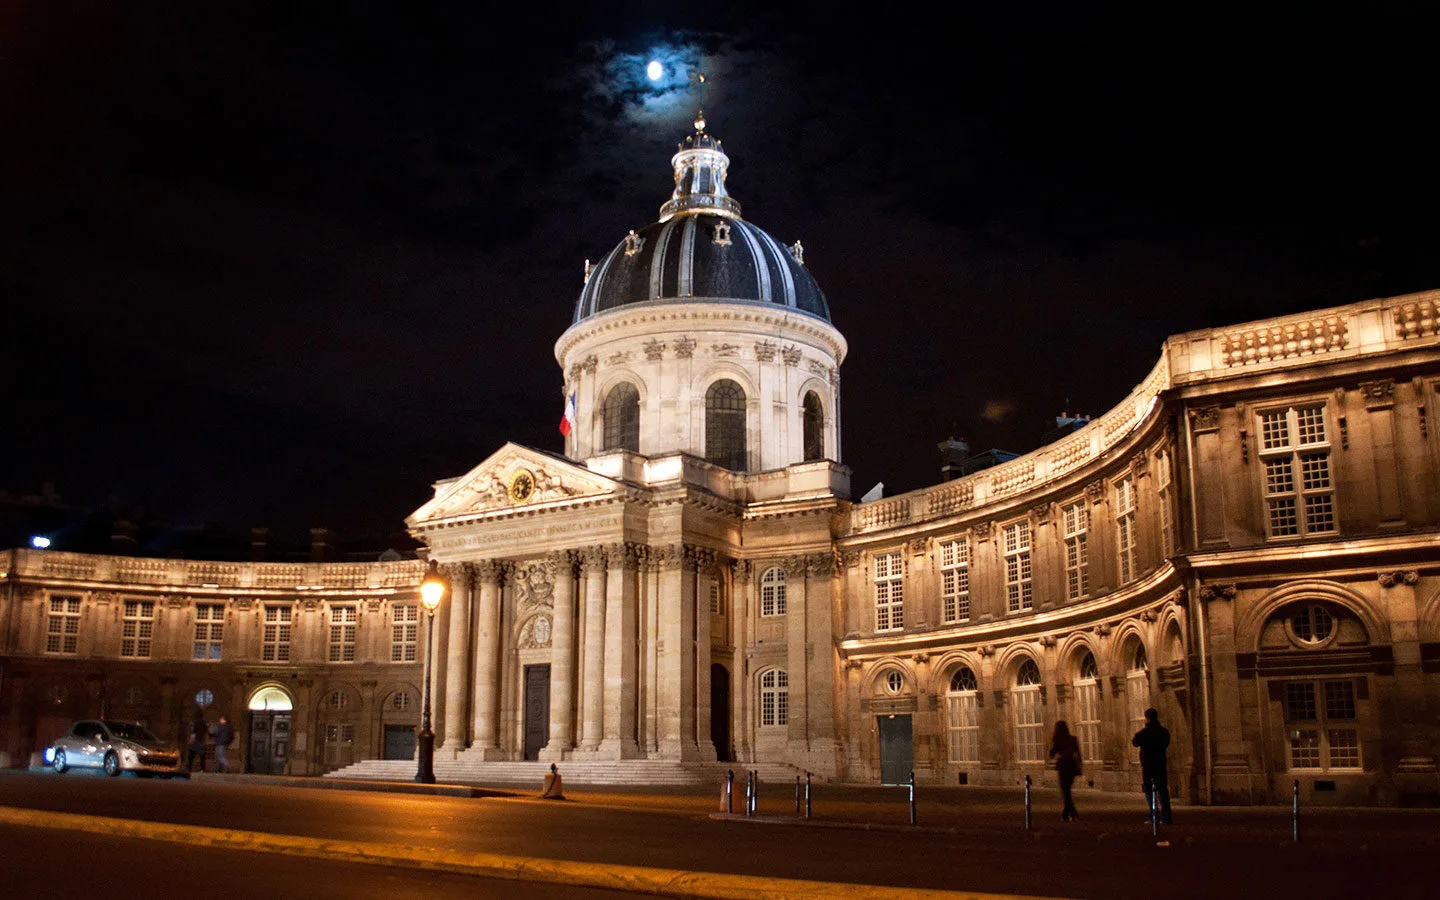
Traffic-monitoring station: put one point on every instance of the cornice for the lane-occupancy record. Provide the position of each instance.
(761, 317)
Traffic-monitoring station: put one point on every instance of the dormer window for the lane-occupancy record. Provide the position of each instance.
(722, 233)
(633, 243)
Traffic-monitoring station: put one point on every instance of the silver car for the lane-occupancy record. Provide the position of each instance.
(114, 747)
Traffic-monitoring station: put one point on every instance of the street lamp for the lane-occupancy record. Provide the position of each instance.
(432, 591)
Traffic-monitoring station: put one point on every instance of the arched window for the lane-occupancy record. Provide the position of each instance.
(894, 681)
(772, 592)
(1029, 714)
(813, 427)
(1312, 624)
(1087, 708)
(962, 715)
(1137, 686)
(622, 418)
(725, 425)
(774, 698)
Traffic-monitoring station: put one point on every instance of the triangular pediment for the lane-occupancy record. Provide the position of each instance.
(513, 478)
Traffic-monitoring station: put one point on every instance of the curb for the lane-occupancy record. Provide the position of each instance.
(634, 879)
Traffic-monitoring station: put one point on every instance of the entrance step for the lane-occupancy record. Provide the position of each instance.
(620, 773)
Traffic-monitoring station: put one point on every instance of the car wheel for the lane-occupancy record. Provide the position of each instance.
(58, 763)
(111, 764)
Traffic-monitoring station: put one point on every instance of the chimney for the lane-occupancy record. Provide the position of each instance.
(122, 537)
(321, 544)
(259, 544)
(953, 454)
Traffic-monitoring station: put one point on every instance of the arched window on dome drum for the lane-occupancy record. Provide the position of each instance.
(622, 418)
(725, 425)
(814, 427)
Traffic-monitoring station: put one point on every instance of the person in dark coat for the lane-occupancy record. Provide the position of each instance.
(1065, 754)
(1153, 740)
(224, 737)
(199, 731)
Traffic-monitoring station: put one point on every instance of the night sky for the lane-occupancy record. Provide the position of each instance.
(286, 264)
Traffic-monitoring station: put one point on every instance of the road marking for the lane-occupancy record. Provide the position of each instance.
(638, 879)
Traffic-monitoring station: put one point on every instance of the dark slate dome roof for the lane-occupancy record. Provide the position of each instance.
(701, 249)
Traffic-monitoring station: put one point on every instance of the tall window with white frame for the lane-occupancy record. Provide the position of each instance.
(62, 625)
(772, 592)
(1137, 687)
(889, 592)
(275, 634)
(343, 622)
(1165, 496)
(1018, 595)
(404, 632)
(1077, 564)
(962, 716)
(955, 581)
(1087, 708)
(1322, 725)
(137, 628)
(774, 698)
(1299, 492)
(209, 631)
(1029, 714)
(1125, 527)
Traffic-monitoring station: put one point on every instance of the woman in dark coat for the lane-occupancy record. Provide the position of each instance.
(1065, 753)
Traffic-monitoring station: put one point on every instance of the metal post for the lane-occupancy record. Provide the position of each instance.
(1295, 812)
(755, 794)
(807, 795)
(1154, 817)
(729, 791)
(749, 792)
(912, 798)
(1027, 802)
(797, 795)
(425, 773)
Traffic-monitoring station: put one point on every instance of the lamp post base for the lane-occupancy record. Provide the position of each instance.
(425, 773)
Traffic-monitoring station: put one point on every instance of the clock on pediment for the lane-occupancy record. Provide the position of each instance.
(522, 486)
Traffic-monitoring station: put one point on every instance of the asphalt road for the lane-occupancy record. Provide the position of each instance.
(1091, 859)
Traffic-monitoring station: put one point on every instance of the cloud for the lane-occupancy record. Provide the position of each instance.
(997, 411)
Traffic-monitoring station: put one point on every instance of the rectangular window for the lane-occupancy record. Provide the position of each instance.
(715, 609)
(955, 581)
(1018, 596)
(1295, 453)
(1167, 517)
(1137, 696)
(62, 625)
(1029, 724)
(889, 592)
(342, 633)
(1077, 564)
(275, 634)
(1087, 719)
(404, 632)
(963, 719)
(137, 628)
(209, 630)
(1321, 725)
(1125, 527)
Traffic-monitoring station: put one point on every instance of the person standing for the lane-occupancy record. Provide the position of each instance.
(1065, 754)
(224, 737)
(1153, 740)
(199, 731)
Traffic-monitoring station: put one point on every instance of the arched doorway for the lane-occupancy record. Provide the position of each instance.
(720, 711)
(271, 710)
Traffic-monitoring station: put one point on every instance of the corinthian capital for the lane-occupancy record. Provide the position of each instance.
(488, 571)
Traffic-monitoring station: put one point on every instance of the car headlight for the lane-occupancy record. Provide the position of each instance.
(49, 755)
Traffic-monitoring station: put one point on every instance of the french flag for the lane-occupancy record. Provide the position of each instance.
(567, 421)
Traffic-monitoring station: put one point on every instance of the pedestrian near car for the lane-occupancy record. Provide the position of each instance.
(224, 737)
(1065, 754)
(199, 731)
(1153, 740)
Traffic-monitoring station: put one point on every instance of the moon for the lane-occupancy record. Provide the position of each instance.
(654, 70)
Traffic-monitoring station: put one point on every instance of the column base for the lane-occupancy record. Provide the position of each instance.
(483, 754)
(555, 752)
(619, 748)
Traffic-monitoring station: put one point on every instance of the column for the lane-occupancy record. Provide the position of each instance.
(676, 656)
(620, 653)
(707, 572)
(741, 696)
(1380, 405)
(487, 659)
(1232, 776)
(457, 657)
(820, 668)
(592, 565)
(797, 731)
(562, 658)
(1415, 773)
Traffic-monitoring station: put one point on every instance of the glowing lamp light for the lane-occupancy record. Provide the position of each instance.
(654, 70)
(39, 542)
(432, 589)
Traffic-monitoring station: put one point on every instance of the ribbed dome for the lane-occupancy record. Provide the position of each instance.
(701, 249)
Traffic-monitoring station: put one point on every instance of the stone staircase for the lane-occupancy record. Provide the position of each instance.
(630, 773)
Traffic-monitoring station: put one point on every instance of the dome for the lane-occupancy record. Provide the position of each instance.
(701, 249)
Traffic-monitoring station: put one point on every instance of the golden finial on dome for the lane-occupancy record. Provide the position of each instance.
(699, 78)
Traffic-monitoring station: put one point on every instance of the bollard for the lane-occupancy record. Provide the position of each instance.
(729, 791)
(1154, 818)
(755, 793)
(797, 795)
(912, 798)
(807, 794)
(749, 792)
(1295, 813)
(1027, 802)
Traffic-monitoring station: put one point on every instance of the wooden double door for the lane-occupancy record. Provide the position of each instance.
(269, 743)
(537, 709)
